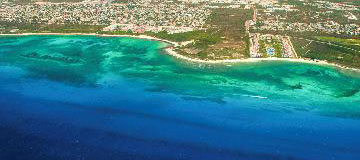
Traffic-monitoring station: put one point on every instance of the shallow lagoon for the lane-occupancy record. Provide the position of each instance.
(87, 97)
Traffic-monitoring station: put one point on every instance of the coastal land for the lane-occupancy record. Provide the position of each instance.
(171, 50)
(229, 32)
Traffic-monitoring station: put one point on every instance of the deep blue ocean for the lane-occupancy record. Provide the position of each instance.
(111, 98)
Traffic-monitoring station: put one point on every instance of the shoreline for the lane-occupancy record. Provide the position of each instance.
(253, 60)
(94, 34)
(170, 51)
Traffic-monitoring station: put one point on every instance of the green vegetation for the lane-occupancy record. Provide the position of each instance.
(334, 50)
(117, 32)
(278, 49)
(230, 22)
(121, 1)
(72, 28)
(350, 42)
(262, 48)
(53, 28)
(225, 38)
(202, 39)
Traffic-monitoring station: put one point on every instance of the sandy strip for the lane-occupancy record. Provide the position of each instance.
(298, 60)
(170, 51)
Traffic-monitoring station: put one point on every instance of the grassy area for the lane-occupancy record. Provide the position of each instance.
(262, 48)
(331, 53)
(231, 22)
(278, 49)
(72, 28)
(225, 38)
(350, 42)
(53, 28)
(121, 1)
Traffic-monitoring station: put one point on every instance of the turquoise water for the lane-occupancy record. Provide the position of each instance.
(88, 97)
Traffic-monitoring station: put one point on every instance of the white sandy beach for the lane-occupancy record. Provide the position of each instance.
(248, 60)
